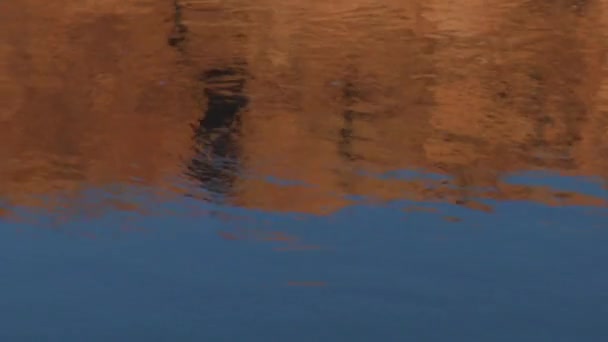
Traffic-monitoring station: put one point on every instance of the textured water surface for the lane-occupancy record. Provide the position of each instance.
(229, 170)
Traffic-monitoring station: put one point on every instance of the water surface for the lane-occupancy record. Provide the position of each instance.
(296, 171)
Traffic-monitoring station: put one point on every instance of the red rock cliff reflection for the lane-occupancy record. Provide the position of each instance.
(224, 94)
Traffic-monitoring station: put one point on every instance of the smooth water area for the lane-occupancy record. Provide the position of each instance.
(229, 170)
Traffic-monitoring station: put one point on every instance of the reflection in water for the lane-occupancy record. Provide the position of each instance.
(203, 125)
(217, 159)
(326, 96)
(179, 30)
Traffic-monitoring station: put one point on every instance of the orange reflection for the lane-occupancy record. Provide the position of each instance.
(321, 96)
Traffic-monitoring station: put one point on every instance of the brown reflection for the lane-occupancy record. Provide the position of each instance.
(328, 94)
(336, 89)
(100, 100)
(516, 89)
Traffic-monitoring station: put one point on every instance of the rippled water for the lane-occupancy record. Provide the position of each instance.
(228, 170)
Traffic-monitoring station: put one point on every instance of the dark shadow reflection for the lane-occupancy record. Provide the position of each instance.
(350, 94)
(216, 161)
(178, 33)
(346, 149)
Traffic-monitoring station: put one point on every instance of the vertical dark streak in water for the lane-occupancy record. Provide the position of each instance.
(349, 93)
(179, 31)
(216, 162)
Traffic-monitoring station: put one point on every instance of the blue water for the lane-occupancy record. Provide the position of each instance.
(526, 272)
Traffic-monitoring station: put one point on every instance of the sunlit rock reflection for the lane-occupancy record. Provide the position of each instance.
(219, 100)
